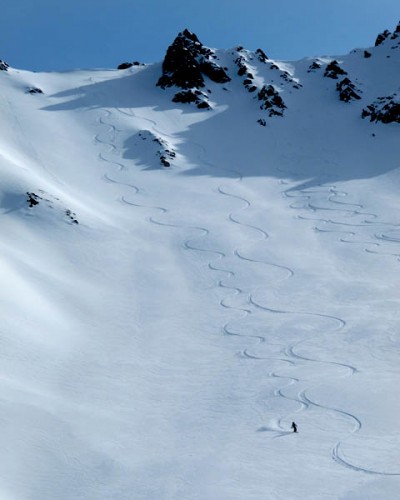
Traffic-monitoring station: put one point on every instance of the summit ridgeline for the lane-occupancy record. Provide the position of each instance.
(197, 74)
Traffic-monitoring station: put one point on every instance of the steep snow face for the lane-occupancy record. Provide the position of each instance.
(181, 284)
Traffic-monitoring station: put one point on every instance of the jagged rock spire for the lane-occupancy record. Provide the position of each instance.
(186, 61)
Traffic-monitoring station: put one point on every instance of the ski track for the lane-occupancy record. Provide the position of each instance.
(292, 357)
(357, 211)
(302, 400)
(331, 192)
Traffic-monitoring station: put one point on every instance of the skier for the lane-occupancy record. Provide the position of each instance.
(294, 427)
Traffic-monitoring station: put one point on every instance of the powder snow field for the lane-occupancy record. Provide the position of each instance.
(162, 347)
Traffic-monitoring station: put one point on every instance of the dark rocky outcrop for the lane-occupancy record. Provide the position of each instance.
(262, 56)
(33, 199)
(186, 61)
(185, 65)
(271, 101)
(382, 37)
(165, 156)
(34, 90)
(71, 216)
(186, 96)
(127, 65)
(244, 70)
(214, 72)
(192, 96)
(347, 90)
(3, 65)
(164, 151)
(49, 201)
(333, 70)
(367, 54)
(384, 109)
(313, 67)
(288, 78)
(241, 64)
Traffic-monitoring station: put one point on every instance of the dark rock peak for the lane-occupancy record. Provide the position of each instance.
(382, 37)
(384, 109)
(190, 36)
(262, 56)
(186, 61)
(367, 54)
(333, 70)
(3, 65)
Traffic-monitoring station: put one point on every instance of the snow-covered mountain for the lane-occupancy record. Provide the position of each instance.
(194, 255)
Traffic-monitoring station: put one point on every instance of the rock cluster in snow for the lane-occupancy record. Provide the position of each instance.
(271, 100)
(333, 70)
(244, 71)
(382, 37)
(164, 151)
(384, 109)
(34, 199)
(314, 66)
(3, 65)
(34, 90)
(196, 96)
(347, 90)
(188, 64)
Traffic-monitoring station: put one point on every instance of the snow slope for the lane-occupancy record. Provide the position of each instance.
(162, 327)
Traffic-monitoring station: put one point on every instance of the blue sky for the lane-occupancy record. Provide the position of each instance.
(58, 35)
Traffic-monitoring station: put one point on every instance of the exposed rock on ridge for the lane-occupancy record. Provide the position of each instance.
(186, 63)
(126, 65)
(191, 68)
